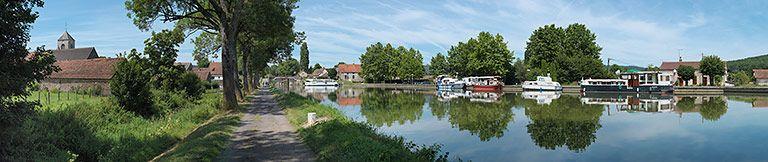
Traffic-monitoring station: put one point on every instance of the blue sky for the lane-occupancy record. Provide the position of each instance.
(631, 32)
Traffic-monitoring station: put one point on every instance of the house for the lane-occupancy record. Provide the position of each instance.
(202, 73)
(65, 49)
(216, 73)
(349, 72)
(761, 76)
(82, 74)
(319, 73)
(670, 69)
(187, 66)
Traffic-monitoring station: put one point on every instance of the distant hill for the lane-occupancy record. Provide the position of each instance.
(749, 63)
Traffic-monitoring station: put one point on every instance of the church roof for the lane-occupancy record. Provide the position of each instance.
(75, 54)
(66, 36)
(100, 68)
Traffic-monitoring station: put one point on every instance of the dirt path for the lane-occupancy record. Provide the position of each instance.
(264, 134)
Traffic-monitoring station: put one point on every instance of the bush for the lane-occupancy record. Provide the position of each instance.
(130, 88)
(165, 102)
(740, 78)
(191, 85)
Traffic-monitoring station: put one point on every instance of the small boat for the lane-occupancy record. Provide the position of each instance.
(484, 83)
(630, 82)
(445, 82)
(542, 83)
(320, 82)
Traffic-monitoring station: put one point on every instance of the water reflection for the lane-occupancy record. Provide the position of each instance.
(565, 121)
(382, 107)
(482, 114)
(547, 126)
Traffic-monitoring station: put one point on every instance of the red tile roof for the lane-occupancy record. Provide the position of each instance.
(760, 73)
(202, 73)
(349, 68)
(215, 68)
(99, 68)
(676, 64)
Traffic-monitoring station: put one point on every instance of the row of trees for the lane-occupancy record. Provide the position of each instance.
(382, 63)
(567, 54)
(250, 33)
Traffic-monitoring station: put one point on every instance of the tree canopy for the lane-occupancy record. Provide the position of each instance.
(485, 55)
(566, 54)
(304, 58)
(439, 65)
(382, 63)
(713, 67)
(686, 73)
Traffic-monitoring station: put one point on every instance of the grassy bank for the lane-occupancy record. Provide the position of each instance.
(96, 129)
(341, 139)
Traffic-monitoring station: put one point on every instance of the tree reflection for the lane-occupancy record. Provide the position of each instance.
(483, 119)
(710, 108)
(381, 107)
(564, 122)
(439, 108)
(713, 109)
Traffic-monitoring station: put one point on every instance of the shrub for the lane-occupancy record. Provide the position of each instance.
(165, 101)
(740, 78)
(130, 88)
(191, 85)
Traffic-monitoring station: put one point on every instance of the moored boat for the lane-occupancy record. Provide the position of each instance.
(484, 83)
(630, 82)
(445, 82)
(320, 82)
(542, 83)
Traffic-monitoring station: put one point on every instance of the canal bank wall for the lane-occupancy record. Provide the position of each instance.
(683, 90)
(432, 87)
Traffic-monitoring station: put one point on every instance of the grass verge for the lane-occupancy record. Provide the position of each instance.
(341, 139)
(100, 130)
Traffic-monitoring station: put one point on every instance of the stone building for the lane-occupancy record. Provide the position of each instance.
(65, 49)
(82, 74)
(761, 76)
(349, 72)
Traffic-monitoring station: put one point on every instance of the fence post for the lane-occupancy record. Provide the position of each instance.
(48, 97)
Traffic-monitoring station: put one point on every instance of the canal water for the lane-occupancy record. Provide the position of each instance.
(552, 126)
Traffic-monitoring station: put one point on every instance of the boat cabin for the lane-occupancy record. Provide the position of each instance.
(637, 78)
(484, 80)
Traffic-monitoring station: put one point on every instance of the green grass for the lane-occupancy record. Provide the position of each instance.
(205, 143)
(96, 129)
(56, 99)
(341, 139)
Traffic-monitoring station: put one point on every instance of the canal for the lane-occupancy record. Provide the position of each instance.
(550, 126)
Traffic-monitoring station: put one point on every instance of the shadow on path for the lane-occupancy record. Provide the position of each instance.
(264, 134)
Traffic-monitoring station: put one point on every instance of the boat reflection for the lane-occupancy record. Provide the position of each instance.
(542, 97)
(633, 103)
(447, 95)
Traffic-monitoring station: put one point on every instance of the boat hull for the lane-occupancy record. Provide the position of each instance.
(451, 86)
(625, 89)
(542, 88)
(481, 88)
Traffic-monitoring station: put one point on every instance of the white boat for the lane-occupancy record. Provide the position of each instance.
(320, 82)
(542, 83)
(445, 82)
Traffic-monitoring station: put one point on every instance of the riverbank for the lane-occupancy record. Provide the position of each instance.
(684, 90)
(432, 87)
(341, 139)
(89, 128)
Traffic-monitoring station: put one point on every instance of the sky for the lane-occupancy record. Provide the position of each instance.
(636, 33)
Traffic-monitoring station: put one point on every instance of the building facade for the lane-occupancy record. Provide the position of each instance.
(65, 49)
(349, 72)
(670, 69)
(761, 76)
(93, 74)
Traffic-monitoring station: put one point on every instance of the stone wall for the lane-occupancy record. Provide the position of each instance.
(74, 84)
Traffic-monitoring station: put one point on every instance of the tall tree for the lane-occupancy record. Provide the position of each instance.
(485, 55)
(566, 54)
(375, 63)
(17, 69)
(206, 45)
(439, 65)
(304, 58)
(222, 17)
(686, 73)
(521, 71)
(713, 67)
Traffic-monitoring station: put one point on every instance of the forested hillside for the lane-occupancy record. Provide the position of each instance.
(747, 64)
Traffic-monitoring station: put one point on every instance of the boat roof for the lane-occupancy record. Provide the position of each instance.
(483, 77)
(605, 80)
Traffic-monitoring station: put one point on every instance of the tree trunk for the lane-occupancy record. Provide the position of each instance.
(228, 32)
(246, 73)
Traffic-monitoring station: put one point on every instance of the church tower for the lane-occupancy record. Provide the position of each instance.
(65, 42)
